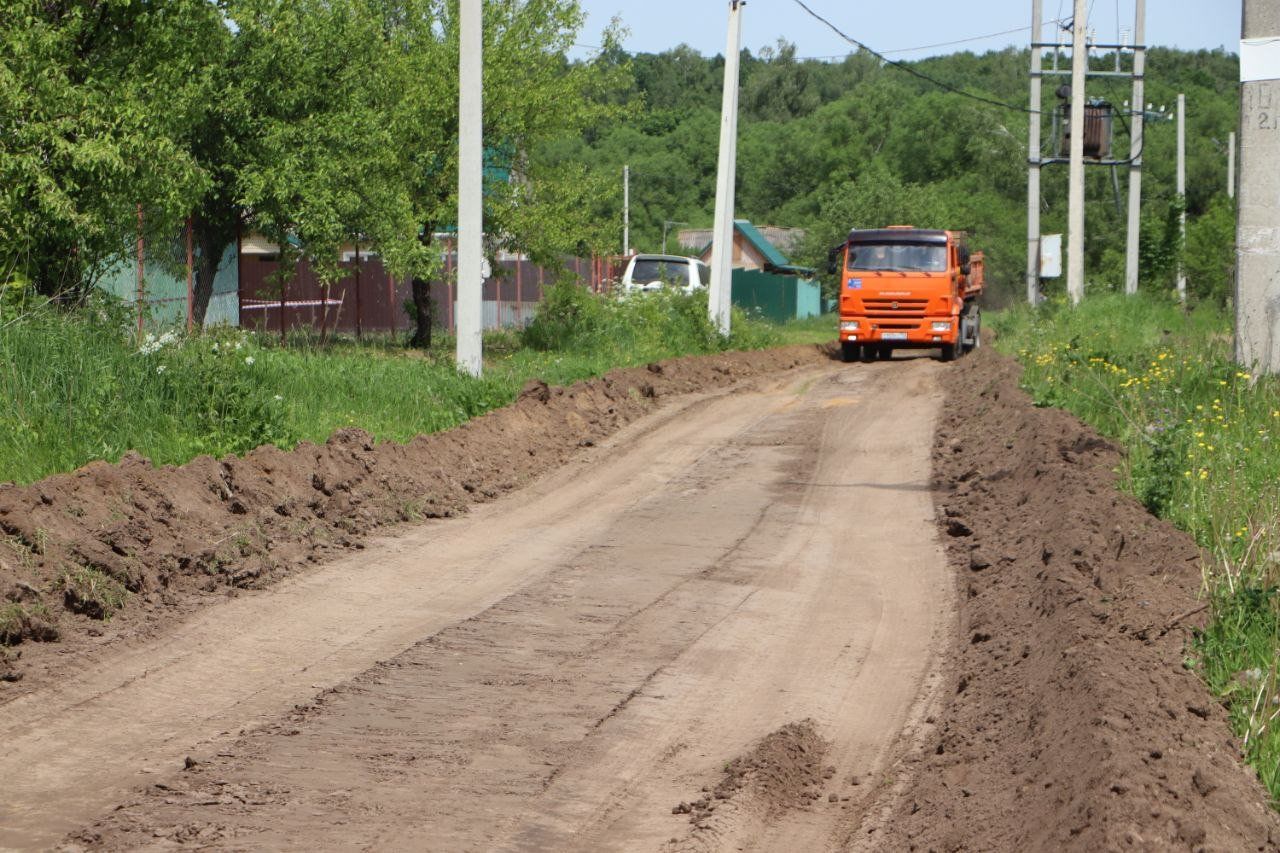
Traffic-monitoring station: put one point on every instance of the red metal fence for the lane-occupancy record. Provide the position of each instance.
(367, 298)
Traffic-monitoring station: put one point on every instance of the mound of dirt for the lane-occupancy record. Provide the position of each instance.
(783, 771)
(1073, 723)
(115, 549)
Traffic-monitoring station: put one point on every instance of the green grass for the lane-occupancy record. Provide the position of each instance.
(19, 621)
(77, 387)
(92, 592)
(1203, 441)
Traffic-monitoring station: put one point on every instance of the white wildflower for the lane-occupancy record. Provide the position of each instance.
(278, 398)
(161, 369)
(215, 346)
(248, 359)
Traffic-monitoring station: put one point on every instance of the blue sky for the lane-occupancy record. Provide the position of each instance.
(656, 25)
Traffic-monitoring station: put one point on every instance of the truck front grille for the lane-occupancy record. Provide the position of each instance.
(895, 308)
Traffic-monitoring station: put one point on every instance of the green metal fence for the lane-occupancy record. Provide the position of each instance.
(778, 298)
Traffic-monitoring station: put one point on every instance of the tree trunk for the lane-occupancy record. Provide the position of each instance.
(212, 236)
(423, 313)
(423, 307)
(205, 273)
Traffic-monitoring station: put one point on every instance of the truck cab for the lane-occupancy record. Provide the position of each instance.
(905, 287)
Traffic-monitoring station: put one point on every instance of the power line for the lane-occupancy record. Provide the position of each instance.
(963, 41)
(908, 69)
(1053, 22)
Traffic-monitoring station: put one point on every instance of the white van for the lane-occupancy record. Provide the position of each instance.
(653, 272)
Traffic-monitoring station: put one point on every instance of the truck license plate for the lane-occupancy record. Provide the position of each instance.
(893, 336)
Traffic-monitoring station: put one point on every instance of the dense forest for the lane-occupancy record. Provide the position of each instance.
(857, 143)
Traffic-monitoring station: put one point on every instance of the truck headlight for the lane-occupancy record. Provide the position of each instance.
(848, 325)
(941, 325)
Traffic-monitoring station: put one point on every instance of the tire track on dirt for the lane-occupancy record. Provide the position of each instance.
(716, 609)
(240, 664)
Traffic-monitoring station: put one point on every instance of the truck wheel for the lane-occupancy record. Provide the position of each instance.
(949, 352)
(884, 353)
(971, 334)
(868, 352)
(849, 351)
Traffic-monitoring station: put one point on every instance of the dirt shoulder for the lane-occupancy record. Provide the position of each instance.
(114, 552)
(1071, 722)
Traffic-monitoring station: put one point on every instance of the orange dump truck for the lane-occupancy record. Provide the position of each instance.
(904, 287)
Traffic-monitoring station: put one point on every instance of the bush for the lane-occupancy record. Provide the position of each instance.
(636, 326)
(569, 317)
(210, 382)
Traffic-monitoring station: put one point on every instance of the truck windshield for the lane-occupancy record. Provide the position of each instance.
(898, 257)
(648, 270)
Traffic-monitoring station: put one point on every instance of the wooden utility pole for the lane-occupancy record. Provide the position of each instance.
(626, 210)
(1258, 209)
(1033, 162)
(470, 356)
(720, 295)
(1137, 114)
(1075, 194)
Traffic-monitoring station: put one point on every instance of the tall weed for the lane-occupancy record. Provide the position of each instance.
(76, 386)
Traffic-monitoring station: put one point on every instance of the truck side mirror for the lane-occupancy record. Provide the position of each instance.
(833, 261)
(964, 268)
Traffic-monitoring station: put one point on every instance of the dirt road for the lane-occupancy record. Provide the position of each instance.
(559, 668)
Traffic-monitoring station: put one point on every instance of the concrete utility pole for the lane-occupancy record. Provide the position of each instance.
(626, 210)
(1231, 164)
(1182, 192)
(470, 356)
(1033, 162)
(667, 223)
(1258, 208)
(1075, 195)
(720, 295)
(1137, 113)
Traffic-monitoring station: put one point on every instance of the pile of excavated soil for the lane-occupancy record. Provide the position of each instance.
(783, 771)
(1073, 723)
(117, 549)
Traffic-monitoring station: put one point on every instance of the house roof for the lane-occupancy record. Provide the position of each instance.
(772, 257)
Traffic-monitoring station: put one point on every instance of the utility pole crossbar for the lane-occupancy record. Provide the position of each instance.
(1080, 72)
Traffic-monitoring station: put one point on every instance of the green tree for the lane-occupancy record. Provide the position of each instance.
(531, 95)
(1210, 251)
(92, 96)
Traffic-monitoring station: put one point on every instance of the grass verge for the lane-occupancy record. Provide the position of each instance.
(76, 387)
(1203, 442)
